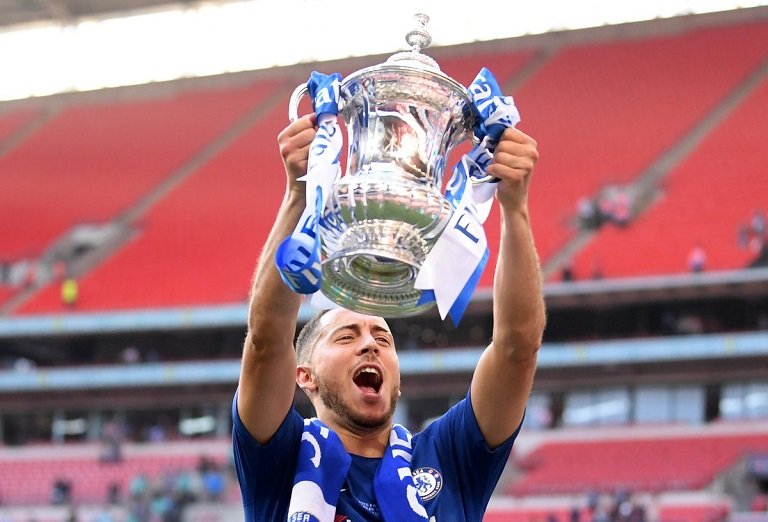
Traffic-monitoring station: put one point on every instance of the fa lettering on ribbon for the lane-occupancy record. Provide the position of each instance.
(464, 223)
(303, 260)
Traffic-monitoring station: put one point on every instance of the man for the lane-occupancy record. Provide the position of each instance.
(348, 366)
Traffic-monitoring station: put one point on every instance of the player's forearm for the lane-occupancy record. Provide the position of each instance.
(518, 309)
(273, 306)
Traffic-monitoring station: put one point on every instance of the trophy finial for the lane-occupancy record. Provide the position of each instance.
(418, 37)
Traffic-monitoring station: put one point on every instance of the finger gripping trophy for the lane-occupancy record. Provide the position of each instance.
(377, 225)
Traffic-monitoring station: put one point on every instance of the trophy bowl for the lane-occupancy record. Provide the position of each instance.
(385, 214)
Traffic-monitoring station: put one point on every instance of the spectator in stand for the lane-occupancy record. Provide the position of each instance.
(213, 484)
(138, 486)
(112, 439)
(575, 514)
(759, 237)
(18, 274)
(567, 273)
(130, 355)
(61, 494)
(113, 493)
(589, 214)
(758, 223)
(622, 205)
(697, 259)
(753, 235)
(69, 292)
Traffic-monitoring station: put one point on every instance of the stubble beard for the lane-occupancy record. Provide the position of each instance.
(331, 397)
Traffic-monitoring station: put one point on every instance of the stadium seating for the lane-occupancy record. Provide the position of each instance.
(651, 464)
(724, 177)
(34, 476)
(715, 512)
(603, 112)
(93, 161)
(198, 243)
(503, 64)
(228, 205)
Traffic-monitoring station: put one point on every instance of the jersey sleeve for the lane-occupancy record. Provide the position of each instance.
(462, 448)
(265, 471)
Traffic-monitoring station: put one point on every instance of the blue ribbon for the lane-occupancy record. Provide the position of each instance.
(460, 305)
(324, 92)
(493, 113)
(298, 256)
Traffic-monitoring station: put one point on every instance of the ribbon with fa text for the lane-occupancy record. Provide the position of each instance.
(298, 256)
(455, 264)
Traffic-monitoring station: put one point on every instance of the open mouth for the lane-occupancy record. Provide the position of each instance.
(368, 379)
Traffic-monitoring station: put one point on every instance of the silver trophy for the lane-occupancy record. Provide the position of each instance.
(385, 214)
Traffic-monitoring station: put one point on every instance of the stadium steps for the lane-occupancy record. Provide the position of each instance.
(19, 125)
(646, 186)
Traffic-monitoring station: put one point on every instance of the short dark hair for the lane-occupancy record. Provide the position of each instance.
(307, 337)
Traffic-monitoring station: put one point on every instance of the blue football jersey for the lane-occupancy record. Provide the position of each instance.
(454, 471)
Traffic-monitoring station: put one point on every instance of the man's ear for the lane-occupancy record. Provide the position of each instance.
(305, 378)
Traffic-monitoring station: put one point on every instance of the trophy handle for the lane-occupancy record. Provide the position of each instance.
(484, 179)
(293, 104)
(296, 96)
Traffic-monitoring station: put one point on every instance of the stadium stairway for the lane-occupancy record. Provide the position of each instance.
(17, 125)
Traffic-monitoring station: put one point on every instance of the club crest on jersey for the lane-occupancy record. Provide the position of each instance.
(428, 482)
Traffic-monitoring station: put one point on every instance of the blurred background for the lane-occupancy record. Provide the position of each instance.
(139, 175)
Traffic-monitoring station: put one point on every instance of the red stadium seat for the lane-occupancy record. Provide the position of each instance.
(649, 464)
(601, 112)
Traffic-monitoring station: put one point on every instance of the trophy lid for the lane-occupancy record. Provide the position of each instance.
(417, 38)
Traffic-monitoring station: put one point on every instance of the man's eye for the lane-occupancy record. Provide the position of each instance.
(384, 340)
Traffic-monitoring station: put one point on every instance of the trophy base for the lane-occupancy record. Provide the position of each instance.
(375, 268)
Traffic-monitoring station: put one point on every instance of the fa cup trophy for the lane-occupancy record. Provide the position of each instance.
(368, 235)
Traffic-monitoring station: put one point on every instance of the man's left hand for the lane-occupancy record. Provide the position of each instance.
(513, 162)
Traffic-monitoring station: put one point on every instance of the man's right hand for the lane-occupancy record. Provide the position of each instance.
(294, 142)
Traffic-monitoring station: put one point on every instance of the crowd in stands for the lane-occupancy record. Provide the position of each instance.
(752, 235)
(31, 270)
(612, 205)
(162, 499)
(622, 506)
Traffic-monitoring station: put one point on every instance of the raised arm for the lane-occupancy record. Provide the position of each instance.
(267, 375)
(504, 374)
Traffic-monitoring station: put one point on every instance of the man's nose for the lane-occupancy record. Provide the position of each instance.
(369, 344)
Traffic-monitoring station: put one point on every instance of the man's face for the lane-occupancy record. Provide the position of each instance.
(356, 369)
